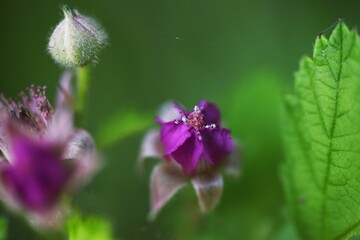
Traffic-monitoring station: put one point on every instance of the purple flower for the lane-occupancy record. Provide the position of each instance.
(43, 155)
(195, 147)
(195, 135)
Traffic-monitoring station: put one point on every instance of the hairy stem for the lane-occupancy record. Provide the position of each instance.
(83, 80)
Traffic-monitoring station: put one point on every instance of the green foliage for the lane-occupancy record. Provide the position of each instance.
(287, 232)
(122, 125)
(322, 139)
(90, 228)
(3, 229)
(252, 115)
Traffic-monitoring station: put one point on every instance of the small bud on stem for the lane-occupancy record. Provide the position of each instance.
(77, 40)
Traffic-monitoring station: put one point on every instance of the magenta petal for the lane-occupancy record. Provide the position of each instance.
(189, 154)
(61, 127)
(210, 111)
(80, 144)
(217, 144)
(4, 141)
(64, 93)
(3, 166)
(4, 147)
(150, 147)
(173, 135)
(166, 180)
(3, 160)
(62, 124)
(80, 152)
(170, 111)
(36, 177)
(232, 162)
(208, 189)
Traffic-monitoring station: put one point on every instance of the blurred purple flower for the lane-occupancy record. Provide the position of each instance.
(44, 156)
(195, 148)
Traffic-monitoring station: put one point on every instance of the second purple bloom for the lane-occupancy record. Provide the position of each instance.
(194, 135)
(195, 147)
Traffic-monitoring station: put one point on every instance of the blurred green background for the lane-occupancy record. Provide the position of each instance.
(239, 54)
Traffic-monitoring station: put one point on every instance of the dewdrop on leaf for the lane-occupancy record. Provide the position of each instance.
(77, 40)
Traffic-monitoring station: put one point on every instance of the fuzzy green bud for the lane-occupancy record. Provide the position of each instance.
(77, 40)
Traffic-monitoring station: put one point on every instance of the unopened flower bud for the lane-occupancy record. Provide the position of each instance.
(77, 40)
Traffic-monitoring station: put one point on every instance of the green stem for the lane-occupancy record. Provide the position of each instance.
(83, 80)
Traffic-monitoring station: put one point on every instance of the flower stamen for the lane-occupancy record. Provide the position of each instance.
(196, 119)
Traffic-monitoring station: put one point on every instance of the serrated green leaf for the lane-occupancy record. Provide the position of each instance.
(322, 139)
(79, 228)
(122, 125)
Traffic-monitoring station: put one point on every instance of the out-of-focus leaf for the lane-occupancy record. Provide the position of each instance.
(80, 228)
(122, 125)
(356, 237)
(322, 139)
(287, 232)
(3, 229)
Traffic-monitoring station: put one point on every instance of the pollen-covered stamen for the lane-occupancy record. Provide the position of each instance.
(41, 102)
(26, 117)
(32, 109)
(195, 119)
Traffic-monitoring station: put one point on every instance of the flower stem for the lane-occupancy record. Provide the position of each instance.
(83, 80)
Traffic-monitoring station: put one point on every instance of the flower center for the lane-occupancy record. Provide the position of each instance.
(195, 119)
(40, 101)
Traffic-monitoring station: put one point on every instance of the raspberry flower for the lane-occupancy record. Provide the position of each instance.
(43, 156)
(195, 147)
